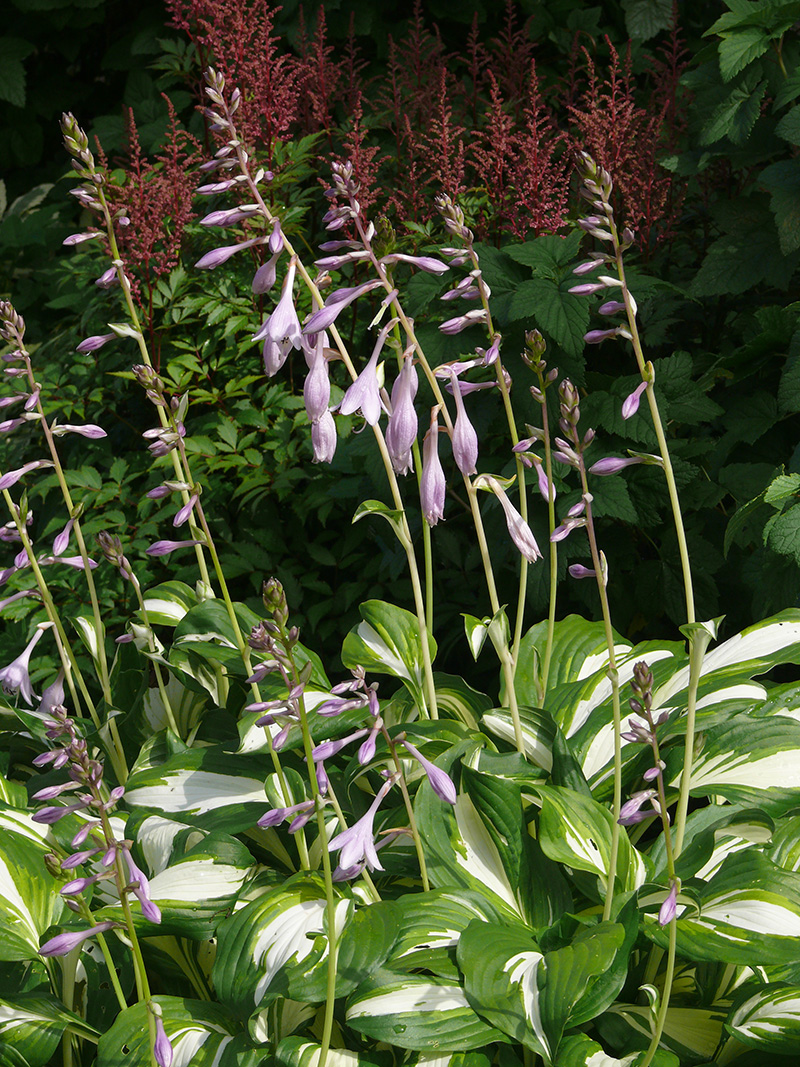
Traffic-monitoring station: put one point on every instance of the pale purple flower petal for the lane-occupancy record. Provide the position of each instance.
(162, 1049)
(317, 386)
(94, 433)
(357, 843)
(613, 465)
(108, 279)
(163, 548)
(669, 908)
(91, 344)
(15, 677)
(7, 480)
(519, 530)
(462, 322)
(323, 438)
(264, 277)
(577, 570)
(426, 263)
(335, 304)
(364, 393)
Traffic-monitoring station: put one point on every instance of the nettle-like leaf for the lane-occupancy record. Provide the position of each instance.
(388, 641)
(769, 1020)
(417, 1012)
(747, 913)
(28, 902)
(532, 996)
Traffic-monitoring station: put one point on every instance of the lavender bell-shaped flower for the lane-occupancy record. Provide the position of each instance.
(317, 387)
(364, 393)
(518, 528)
(433, 487)
(465, 440)
(441, 782)
(281, 331)
(401, 433)
(323, 438)
(357, 843)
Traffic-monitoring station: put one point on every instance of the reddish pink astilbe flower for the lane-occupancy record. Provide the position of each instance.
(318, 77)
(444, 144)
(236, 37)
(157, 199)
(362, 156)
(511, 54)
(628, 141)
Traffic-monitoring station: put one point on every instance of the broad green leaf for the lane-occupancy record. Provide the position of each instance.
(576, 831)
(749, 760)
(538, 732)
(735, 116)
(770, 1020)
(784, 534)
(482, 843)
(260, 943)
(206, 631)
(393, 517)
(417, 1012)
(531, 995)
(388, 641)
(33, 1023)
(578, 1050)
(738, 50)
(168, 603)
(562, 315)
(299, 1052)
(747, 913)
(201, 1033)
(645, 18)
(13, 50)
(692, 1034)
(218, 789)
(783, 181)
(29, 901)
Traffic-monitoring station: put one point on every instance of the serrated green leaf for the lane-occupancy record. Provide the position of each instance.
(645, 18)
(562, 315)
(784, 534)
(735, 116)
(738, 50)
(783, 181)
(780, 489)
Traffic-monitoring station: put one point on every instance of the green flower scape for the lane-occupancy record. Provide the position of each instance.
(399, 438)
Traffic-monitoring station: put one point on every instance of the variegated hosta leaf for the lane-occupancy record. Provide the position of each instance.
(692, 1034)
(417, 1012)
(202, 1035)
(277, 945)
(785, 847)
(579, 650)
(538, 732)
(748, 913)
(770, 1020)
(32, 1024)
(299, 1052)
(482, 843)
(575, 830)
(29, 900)
(430, 925)
(212, 787)
(166, 604)
(712, 834)
(195, 876)
(186, 704)
(206, 631)
(578, 1050)
(454, 698)
(532, 996)
(749, 760)
(387, 641)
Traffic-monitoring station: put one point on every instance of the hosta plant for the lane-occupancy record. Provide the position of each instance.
(218, 849)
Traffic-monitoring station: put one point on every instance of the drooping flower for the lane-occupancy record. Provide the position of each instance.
(364, 393)
(317, 386)
(140, 886)
(62, 944)
(433, 487)
(441, 782)
(465, 439)
(323, 438)
(518, 528)
(162, 1049)
(631, 403)
(401, 433)
(669, 908)
(281, 331)
(335, 305)
(15, 677)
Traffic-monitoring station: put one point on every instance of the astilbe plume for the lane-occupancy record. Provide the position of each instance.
(236, 37)
(510, 54)
(319, 78)
(156, 199)
(628, 141)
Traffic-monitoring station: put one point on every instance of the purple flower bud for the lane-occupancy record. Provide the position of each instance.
(335, 304)
(612, 465)
(464, 439)
(62, 944)
(433, 487)
(62, 539)
(108, 279)
(327, 749)
(577, 570)
(596, 337)
(317, 386)
(230, 216)
(7, 480)
(587, 288)
(162, 1049)
(264, 277)
(630, 813)
(94, 433)
(462, 322)
(91, 344)
(426, 263)
(611, 307)
(631, 403)
(79, 238)
(441, 782)
(183, 514)
(669, 908)
(163, 548)
(323, 438)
